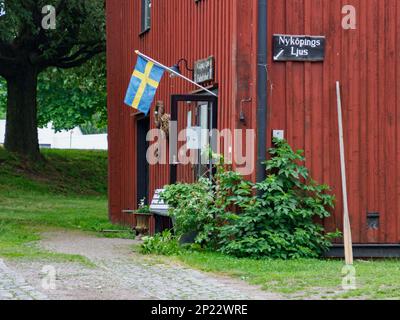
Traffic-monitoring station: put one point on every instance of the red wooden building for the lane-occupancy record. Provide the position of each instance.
(256, 92)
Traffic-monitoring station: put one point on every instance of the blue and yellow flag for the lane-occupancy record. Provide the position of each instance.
(143, 86)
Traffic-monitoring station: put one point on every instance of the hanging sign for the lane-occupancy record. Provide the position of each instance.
(299, 48)
(204, 70)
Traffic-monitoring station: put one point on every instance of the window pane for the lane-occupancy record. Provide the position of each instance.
(146, 14)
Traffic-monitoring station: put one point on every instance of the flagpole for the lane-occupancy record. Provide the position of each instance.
(174, 72)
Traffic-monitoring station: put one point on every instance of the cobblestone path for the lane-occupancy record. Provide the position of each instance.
(14, 287)
(176, 283)
(119, 273)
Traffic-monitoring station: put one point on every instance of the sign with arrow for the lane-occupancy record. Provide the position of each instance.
(299, 48)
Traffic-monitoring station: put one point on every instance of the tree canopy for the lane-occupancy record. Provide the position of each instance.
(79, 33)
(37, 38)
(74, 97)
(70, 98)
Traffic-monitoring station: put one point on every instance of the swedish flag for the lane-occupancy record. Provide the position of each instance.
(143, 85)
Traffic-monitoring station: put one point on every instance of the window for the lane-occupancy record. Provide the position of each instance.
(146, 15)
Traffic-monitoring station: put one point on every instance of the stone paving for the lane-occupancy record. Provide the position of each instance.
(14, 287)
(119, 273)
(166, 282)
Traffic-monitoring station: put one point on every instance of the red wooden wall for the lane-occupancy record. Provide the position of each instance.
(180, 29)
(301, 96)
(302, 101)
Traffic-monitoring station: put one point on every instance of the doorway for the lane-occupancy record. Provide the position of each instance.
(196, 116)
(142, 165)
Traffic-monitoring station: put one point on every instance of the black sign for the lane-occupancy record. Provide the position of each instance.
(204, 70)
(299, 48)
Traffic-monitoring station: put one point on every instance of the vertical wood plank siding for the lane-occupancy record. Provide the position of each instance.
(302, 101)
(301, 96)
(179, 29)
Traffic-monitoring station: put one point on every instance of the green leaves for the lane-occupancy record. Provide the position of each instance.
(80, 28)
(163, 244)
(74, 97)
(274, 218)
(283, 225)
(28, 47)
(70, 98)
(190, 206)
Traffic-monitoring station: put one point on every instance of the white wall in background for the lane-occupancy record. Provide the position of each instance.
(72, 139)
(2, 130)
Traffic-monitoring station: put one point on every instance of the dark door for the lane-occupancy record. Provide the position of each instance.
(142, 169)
(199, 114)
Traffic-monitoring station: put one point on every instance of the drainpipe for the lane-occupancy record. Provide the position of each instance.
(261, 88)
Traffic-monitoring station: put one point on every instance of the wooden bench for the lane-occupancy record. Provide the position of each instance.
(160, 217)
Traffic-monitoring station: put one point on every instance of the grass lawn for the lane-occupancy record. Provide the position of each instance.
(68, 190)
(379, 279)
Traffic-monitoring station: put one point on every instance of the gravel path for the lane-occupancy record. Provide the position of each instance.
(118, 273)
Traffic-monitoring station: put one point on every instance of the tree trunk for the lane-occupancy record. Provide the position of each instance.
(21, 128)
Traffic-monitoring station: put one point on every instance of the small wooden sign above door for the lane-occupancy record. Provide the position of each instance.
(299, 48)
(204, 70)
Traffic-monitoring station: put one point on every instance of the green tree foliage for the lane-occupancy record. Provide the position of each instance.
(28, 48)
(70, 98)
(74, 97)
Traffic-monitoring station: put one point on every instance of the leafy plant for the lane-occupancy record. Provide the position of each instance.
(163, 244)
(231, 195)
(143, 207)
(276, 218)
(281, 223)
(202, 208)
(190, 206)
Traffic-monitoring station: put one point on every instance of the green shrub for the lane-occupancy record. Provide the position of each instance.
(276, 218)
(282, 221)
(189, 206)
(232, 195)
(163, 244)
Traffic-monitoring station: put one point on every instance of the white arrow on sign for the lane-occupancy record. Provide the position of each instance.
(279, 54)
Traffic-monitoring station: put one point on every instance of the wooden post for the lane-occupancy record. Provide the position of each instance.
(348, 246)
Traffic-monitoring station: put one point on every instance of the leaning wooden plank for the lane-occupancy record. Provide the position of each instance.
(348, 246)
